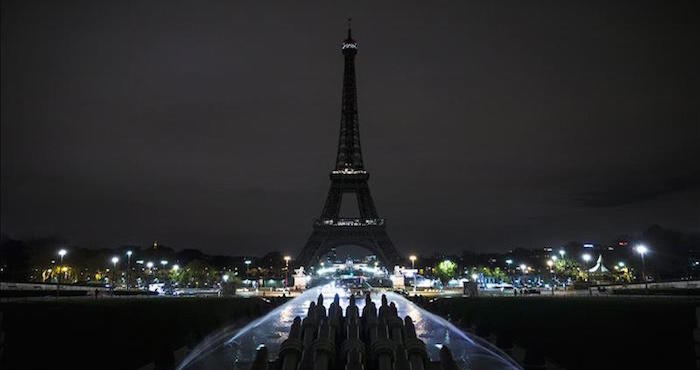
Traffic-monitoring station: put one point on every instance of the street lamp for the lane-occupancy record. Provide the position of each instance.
(413, 267)
(225, 277)
(149, 264)
(163, 262)
(61, 253)
(587, 257)
(115, 259)
(176, 267)
(128, 266)
(286, 269)
(562, 253)
(642, 250)
(247, 267)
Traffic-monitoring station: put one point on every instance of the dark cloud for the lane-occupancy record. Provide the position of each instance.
(214, 125)
(635, 192)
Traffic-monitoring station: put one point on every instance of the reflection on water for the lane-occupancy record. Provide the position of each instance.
(235, 349)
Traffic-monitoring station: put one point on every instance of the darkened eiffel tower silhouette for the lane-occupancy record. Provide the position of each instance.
(349, 176)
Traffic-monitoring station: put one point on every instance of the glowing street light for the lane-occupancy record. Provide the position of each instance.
(61, 253)
(128, 267)
(587, 258)
(562, 253)
(176, 267)
(555, 258)
(621, 264)
(115, 259)
(149, 264)
(286, 269)
(413, 267)
(523, 267)
(550, 263)
(164, 262)
(642, 250)
(475, 276)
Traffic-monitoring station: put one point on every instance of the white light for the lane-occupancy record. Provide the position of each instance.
(287, 258)
(475, 276)
(62, 252)
(225, 278)
(129, 253)
(509, 261)
(412, 258)
(562, 253)
(586, 257)
(550, 263)
(176, 267)
(555, 258)
(163, 262)
(115, 259)
(247, 262)
(149, 264)
(641, 249)
(523, 267)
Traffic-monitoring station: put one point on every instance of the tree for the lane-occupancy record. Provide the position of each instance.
(568, 268)
(445, 271)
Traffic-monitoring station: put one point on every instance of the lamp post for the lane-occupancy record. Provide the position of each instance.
(413, 267)
(587, 257)
(642, 250)
(550, 263)
(247, 267)
(61, 253)
(128, 266)
(286, 269)
(115, 259)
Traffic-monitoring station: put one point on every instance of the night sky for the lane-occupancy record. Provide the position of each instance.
(214, 125)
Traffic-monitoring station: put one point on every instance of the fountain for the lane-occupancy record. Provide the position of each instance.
(398, 332)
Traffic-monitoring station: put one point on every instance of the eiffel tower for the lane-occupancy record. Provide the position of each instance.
(349, 177)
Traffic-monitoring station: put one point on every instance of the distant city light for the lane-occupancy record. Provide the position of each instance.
(562, 253)
(509, 261)
(621, 264)
(475, 276)
(586, 257)
(149, 264)
(176, 267)
(163, 262)
(129, 253)
(62, 252)
(225, 278)
(555, 258)
(550, 263)
(588, 245)
(523, 267)
(115, 259)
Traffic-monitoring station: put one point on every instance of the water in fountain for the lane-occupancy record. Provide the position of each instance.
(232, 348)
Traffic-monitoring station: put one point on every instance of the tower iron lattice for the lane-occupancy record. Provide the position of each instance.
(349, 177)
